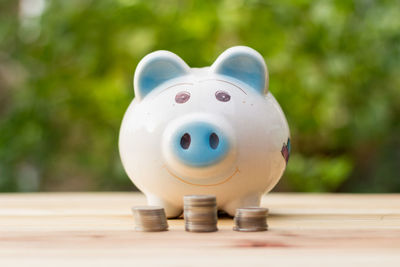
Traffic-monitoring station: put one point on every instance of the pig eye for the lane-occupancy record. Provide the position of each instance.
(182, 97)
(222, 96)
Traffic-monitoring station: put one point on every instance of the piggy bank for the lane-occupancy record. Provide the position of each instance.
(214, 130)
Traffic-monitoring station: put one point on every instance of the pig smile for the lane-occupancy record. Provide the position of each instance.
(196, 184)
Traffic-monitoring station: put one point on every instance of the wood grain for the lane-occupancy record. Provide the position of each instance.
(96, 229)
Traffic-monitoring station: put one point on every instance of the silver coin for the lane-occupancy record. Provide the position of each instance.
(149, 218)
(251, 219)
(200, 213)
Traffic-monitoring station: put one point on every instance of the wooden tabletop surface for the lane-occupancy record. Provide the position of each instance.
(96, 229)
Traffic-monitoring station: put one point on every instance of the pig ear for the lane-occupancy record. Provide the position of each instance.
(155, 69)
(244, 64)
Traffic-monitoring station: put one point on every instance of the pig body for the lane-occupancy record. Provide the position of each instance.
(215, 130)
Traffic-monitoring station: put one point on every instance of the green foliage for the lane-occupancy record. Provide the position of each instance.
(66, 79)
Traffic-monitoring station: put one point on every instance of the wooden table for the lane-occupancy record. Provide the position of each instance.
(96, 229)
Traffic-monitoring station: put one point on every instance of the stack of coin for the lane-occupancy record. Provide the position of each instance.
(251, 219)
(149, 219)
(200, 213)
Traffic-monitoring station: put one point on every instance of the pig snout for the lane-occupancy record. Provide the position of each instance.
(199, 144)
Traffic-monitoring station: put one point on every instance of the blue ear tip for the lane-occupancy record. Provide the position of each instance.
(244, 64)
(157, 72)
(155, 69)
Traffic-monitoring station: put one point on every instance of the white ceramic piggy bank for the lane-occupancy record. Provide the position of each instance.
(215, 130)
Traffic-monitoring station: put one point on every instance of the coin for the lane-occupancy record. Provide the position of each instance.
(251, 219)
(200, 213)
(149, 218)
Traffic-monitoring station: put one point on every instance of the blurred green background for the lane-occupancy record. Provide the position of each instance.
(66, 71)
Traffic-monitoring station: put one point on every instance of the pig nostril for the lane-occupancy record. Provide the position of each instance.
(185, 141)
(214, 141)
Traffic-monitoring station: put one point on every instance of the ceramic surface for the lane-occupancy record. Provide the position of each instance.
(214, 130)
